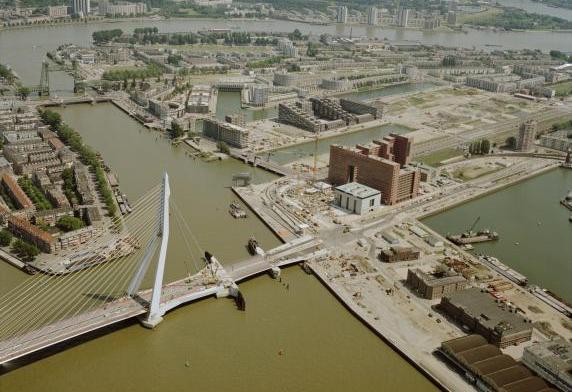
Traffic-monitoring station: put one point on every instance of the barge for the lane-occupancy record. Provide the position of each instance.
(552, 300)
(470, 237)
(509, 273)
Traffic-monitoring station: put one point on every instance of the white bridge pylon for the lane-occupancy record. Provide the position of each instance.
(161, 239)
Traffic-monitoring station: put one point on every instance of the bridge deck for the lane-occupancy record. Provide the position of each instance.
(203, 284)
(173, 295)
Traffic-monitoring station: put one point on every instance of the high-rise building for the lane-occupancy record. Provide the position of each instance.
(403, 17)
(452, 18)
(342, 14)
(381, 165)
(526, 135)
(80, 8)
(372, 16)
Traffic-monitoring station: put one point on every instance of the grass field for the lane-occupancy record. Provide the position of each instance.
(563, 89)
(480, 17)
(437, 157)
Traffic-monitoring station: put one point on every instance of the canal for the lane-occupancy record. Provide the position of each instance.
(535, 234)
(300, 151)
(210, 345)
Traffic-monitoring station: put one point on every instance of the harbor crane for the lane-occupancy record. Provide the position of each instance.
(474, 224)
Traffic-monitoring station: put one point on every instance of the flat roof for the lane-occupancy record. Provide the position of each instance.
(491, 314)
(358, 190)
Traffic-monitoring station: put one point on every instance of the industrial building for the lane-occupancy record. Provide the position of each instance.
(526, 135)
(488, 369)
(497, 322)
(357, 198)
(382, 165)
(398, 253)
(233, 135)
(552, 361)
(435, 285)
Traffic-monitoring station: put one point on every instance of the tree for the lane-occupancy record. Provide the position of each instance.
(25, 250)
(51, 118)
(312, 49)
(223, 147)
(485, 146)
(176, 130)
(5, 238)
(24, 93)
(511, 142)
(69, 223)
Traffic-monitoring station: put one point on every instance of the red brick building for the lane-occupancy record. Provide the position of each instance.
(381, 165)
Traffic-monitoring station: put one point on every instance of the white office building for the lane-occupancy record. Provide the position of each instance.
(357, 198)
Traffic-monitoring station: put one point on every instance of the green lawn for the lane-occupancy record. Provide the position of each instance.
(437, 157)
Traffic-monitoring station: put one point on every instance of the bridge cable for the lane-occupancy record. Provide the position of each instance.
(67, 287)
(84, 275)
(30, 283)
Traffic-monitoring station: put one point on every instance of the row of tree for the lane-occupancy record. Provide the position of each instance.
(480, 147)
(151, 71)
(105, 36)
(88, 156)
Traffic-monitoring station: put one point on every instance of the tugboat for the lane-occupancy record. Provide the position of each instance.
(567, 201)
(236, 211)
(253, 246)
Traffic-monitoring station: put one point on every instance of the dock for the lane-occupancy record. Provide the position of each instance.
(14, 261)
(257, 162)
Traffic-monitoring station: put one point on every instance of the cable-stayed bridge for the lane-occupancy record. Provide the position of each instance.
(101, 285)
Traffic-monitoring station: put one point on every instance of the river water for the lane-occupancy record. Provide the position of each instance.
(538, 8)
(535, 234)
(25, 48)
(325, 348)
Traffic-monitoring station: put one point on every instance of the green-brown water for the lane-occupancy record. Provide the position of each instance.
(209, 345)
(535, 234)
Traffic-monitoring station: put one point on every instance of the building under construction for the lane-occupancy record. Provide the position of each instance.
(488, 369)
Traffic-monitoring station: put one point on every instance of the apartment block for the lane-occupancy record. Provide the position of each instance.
(233, 135)
(382, 165)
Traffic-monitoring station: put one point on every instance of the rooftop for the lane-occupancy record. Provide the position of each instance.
(557, 353)
(490, 313)
(358, 190)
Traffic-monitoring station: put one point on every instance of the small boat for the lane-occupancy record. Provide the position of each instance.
(252, 246)
(570, 218)
(236, 211)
